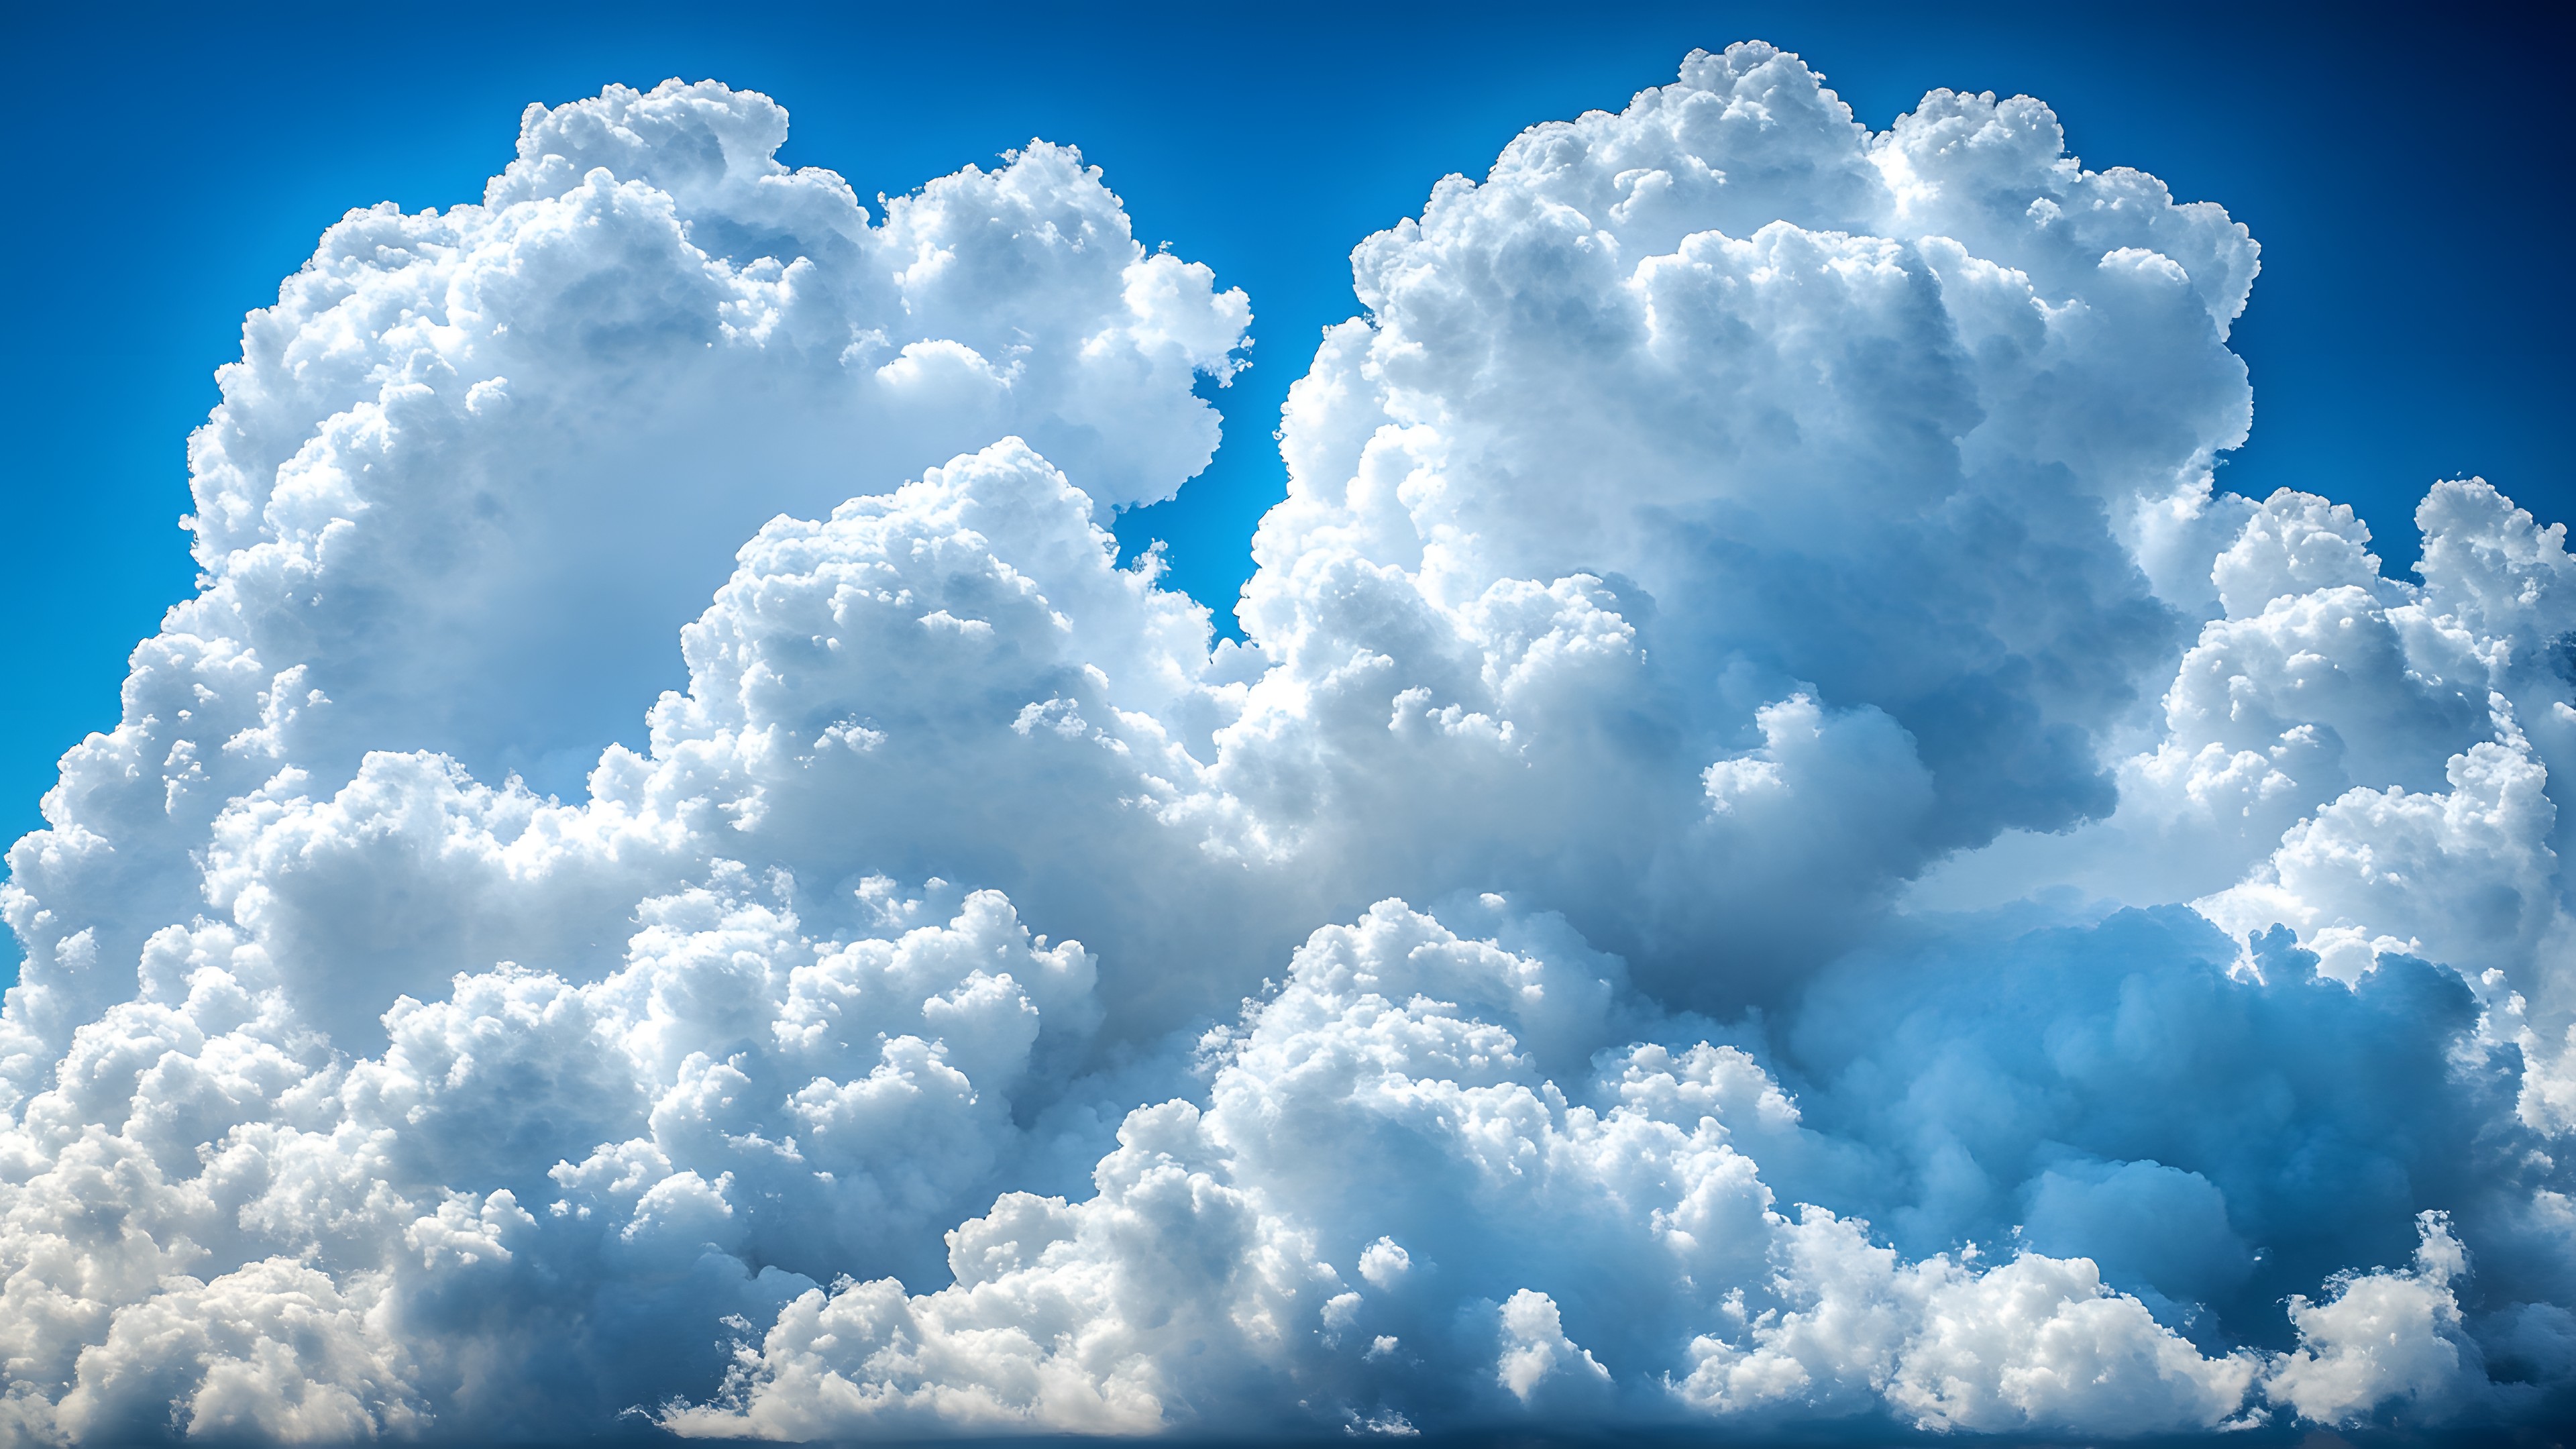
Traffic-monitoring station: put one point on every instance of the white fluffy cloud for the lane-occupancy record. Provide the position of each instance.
(1511, 986)
(1225, 1256)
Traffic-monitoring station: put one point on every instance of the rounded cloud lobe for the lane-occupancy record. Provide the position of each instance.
(1774, 851)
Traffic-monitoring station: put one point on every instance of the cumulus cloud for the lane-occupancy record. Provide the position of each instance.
(1775, 853)
(1216, 1262)
(2384, 1336)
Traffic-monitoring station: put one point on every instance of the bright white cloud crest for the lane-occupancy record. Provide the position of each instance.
(1775, 850)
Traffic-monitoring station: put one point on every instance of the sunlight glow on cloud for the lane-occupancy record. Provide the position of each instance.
(1775, 851)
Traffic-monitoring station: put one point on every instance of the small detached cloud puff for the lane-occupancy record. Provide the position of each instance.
(1775, 854)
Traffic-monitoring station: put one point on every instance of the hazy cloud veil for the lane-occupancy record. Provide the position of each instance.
(1775, 851)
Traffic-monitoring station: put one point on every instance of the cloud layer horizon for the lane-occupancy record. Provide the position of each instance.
(1775, 854)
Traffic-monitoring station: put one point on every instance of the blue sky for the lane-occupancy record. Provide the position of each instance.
(2403, 328)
